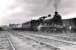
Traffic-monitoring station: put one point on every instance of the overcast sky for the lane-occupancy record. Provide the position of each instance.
(18, 11)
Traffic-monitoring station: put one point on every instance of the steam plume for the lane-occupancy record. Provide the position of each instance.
(56, 4)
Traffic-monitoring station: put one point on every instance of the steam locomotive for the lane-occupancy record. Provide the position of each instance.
(51, 25)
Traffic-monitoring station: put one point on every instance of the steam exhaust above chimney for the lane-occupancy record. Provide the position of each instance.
(56, 5)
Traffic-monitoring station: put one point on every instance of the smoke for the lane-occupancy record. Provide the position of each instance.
(56, 4)
(49, 2)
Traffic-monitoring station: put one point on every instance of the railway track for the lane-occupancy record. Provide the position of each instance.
(58, 44)
(5, 42)
(12, 46)
(21, 36)
(51, 42)
(64, 45)
(69, 40)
